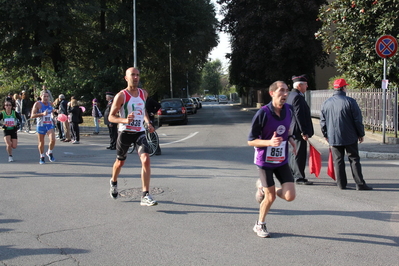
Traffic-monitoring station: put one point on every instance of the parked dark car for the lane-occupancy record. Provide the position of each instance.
(172, 111)
(188, 103)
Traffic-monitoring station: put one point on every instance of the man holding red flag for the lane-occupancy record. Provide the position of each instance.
(301, 127)
(342, 125)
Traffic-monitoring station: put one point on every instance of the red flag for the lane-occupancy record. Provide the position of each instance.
(314, 160)
(330, 168)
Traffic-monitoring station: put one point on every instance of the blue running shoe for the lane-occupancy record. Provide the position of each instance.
(50, 157)
(41, 160)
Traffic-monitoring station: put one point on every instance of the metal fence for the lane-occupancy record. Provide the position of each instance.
(370, 102)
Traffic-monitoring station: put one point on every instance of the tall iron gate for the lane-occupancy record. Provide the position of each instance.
(370, 102)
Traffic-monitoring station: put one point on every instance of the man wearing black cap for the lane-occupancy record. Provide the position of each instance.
(301, 127)
(341, 123)
(112, 127)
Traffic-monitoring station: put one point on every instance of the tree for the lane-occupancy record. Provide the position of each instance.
(90, 42)
(351, 29)
(272, 40)
(211, 74)
(190, 28)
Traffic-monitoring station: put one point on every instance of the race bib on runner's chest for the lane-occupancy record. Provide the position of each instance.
(47, 119)
(276, 154)
(9, 122)
(137, 121)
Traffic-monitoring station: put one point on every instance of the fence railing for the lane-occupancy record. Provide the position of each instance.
(370, 102)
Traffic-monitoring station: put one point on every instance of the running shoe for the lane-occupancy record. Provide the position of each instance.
(50, 157)
(148, 201)
(261, 230)
(113, 190)
(10, 159)
(260, 194)
(75, 142)
(41, 160)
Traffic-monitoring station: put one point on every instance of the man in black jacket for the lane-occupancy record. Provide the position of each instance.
(341, 123)
(301, 128)
(152, 107)
(112, 127)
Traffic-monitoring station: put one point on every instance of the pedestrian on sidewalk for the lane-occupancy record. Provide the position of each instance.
(63, 109)
(96, 114)
(112, 127)
(58, 124)
(341, 123)
(128, 109)
(270, 136)
(26, 108)
(301, 128)
(152, 108)
(76, 119)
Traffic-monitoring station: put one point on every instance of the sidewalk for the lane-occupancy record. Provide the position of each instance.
(372, 147)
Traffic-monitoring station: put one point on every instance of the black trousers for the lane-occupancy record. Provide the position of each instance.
(75, 131)
(297, 162)
(60, 130)
(113, 134)
(338, 154)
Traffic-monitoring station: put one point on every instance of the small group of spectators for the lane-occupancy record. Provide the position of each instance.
(68, 129)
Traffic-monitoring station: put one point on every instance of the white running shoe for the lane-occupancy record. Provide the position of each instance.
(261, 230)
(113, 190)
(10, 159)
(148, 201)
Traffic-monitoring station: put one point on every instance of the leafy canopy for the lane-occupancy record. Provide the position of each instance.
(351, 29)
(272, 40)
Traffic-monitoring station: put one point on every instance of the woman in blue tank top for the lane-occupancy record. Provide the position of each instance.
(43, 111)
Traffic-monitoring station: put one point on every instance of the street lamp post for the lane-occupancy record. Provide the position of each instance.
(170, 69)
(134, 35)
(189, 51)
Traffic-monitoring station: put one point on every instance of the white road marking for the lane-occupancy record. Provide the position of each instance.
(163, 144)
(180, 140)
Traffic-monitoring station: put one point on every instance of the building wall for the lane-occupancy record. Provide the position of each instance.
(323, 75)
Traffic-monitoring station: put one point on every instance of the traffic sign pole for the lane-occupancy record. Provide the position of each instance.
(386, 46)
(384, 102)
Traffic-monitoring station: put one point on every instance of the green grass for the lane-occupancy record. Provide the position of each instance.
(88, 121)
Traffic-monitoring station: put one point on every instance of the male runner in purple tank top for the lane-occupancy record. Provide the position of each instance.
(270, 136)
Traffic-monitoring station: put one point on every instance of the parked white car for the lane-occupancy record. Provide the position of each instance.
(223, 99)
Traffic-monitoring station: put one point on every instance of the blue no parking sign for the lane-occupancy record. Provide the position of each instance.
(386, 46)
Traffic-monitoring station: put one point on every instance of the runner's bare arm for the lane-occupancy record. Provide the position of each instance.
(35, 110)
(116, 106)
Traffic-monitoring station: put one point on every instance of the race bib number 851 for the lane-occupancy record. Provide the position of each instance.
(276, 154)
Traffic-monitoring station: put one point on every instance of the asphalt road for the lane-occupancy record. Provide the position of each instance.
(61, 213)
